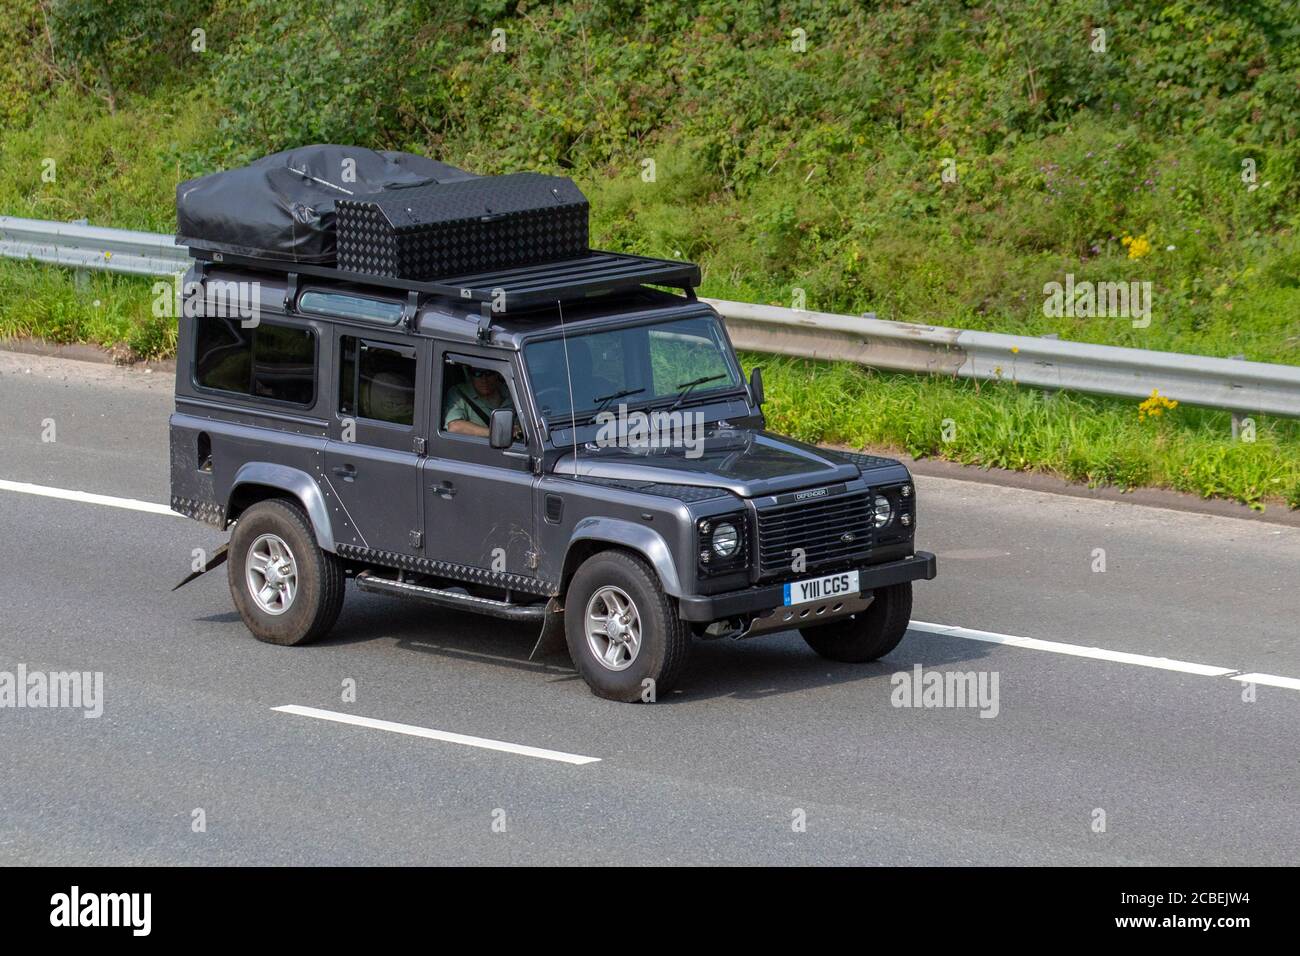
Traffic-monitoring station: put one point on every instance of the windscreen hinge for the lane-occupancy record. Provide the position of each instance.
(290, 291)
(411, 308)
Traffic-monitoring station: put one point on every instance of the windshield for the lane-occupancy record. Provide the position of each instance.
(637, 365)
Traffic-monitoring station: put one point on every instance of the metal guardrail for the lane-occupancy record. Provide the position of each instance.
(81, 246)
(1230, 384)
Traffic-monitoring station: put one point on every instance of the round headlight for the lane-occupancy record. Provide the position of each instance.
(725, 540)
(881, 512)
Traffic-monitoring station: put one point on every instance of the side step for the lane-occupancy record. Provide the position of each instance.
(367, 581)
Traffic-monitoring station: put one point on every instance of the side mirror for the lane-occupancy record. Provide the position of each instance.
(756, 385)
(501, 428)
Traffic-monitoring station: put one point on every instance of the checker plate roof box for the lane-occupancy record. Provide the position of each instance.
(282, 207)
(471, 226)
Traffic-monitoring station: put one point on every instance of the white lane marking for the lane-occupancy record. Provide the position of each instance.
(1074, 650)
(85, 497)
(1272, 680)
(411, 730)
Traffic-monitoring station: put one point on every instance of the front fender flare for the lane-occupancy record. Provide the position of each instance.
(295, 482)
(627, 534)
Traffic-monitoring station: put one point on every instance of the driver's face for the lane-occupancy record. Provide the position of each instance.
(487, 384)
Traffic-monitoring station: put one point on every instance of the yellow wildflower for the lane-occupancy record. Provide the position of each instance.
(1138, 246)
(1155, 405)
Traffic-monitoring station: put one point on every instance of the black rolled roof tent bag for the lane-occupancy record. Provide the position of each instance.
(283, 206)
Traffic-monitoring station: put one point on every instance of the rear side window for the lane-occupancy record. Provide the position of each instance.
(377, 381)
(277, 362)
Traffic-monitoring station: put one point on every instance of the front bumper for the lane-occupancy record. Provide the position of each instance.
(921, 566)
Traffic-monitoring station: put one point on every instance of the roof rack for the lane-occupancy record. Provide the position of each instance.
(503, 290)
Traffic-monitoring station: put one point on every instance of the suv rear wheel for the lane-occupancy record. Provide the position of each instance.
(623, 631)
(287, 590)
(869, 634)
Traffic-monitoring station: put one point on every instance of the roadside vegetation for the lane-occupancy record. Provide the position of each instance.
(698, 130)
(1097, 441)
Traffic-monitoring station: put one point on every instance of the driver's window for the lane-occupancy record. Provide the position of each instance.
(469, 396)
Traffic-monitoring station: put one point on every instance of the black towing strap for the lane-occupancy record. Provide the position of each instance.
(217, 560)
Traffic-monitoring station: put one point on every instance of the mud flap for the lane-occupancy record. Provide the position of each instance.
(550, 642)
(217, 560)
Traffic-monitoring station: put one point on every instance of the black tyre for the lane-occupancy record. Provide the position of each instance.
(287, 590)
(866, 636)
(623, 631)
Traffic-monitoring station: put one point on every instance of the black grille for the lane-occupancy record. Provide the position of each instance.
(818, 527)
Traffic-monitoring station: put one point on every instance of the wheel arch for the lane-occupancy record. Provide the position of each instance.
(259, 480)
(594, 535)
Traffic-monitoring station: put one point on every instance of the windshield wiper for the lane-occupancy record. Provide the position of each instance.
(687, 386)
(606, 399)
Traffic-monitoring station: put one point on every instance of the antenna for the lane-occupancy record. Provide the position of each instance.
(568, 376)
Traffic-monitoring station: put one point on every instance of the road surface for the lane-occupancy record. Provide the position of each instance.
(767, 754)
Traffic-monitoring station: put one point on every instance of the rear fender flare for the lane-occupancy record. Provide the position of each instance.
(295, 482)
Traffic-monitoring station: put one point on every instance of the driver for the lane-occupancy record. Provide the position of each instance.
(471, 403)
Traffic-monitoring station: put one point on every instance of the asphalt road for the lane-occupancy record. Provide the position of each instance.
(762, 735)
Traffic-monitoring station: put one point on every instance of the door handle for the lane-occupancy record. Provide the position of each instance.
(444, 489)
(346, 472)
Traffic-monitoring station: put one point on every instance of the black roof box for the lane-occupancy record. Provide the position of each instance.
(471, 226)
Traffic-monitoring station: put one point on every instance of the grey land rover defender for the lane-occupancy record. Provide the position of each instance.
(563, 442)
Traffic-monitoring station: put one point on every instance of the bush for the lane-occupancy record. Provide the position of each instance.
(126, 44)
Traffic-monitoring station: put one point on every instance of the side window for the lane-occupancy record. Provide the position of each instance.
(470, 394)
(377, 381)
(284, 364)
(269, 361)
(223, 355)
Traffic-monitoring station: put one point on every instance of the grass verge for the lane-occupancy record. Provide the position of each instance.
(112, 311)
(998, 424)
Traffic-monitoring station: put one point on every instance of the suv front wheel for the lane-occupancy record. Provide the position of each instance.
(623, 631)
(869, 634)
(287, 590)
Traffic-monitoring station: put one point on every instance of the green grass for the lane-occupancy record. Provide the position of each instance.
(112, 311)
(118, 169)
(998, 424)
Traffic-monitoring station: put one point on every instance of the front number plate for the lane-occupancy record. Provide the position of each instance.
(817, 589)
